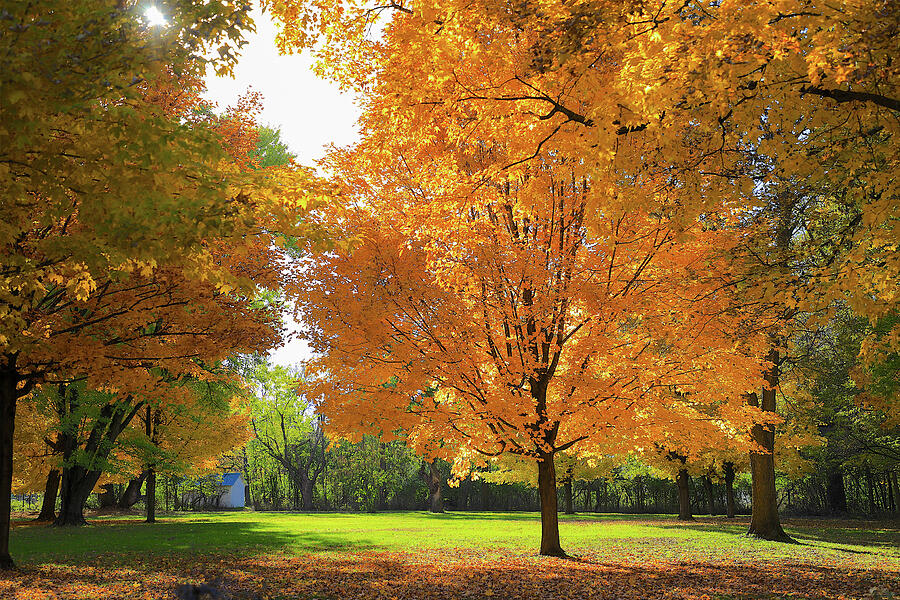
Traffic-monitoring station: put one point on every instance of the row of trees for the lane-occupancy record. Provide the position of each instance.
(571, 234)
(602, 228)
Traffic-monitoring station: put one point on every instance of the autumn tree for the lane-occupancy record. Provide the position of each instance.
(539, 331)
(114, 190)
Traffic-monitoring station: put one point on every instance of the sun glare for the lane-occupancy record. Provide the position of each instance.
(154, 17)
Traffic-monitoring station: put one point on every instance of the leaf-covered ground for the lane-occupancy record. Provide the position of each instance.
(252, 555)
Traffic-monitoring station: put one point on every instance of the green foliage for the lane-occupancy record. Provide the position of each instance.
(271, 150)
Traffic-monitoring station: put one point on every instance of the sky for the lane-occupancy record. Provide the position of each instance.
(311, 112)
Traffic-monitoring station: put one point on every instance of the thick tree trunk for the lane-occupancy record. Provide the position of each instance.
(729, 489)
(48, 506)
(684, 496)
(836, 492)
(306, 492)
(151, 495)
(77, 484)
(567, 496)
(764, 520)
(9, 380)
(549, 519)
(132, 491)
(107, 497)
(77, 481)
(710, 496)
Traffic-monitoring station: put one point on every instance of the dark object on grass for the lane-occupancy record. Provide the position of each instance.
(204, 591)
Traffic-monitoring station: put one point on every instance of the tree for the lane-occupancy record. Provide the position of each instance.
(77, 145)
(677, 89)
(538, 332)
(285, 428)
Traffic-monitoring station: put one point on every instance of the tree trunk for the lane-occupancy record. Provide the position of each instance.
(77, 484)
(249, 497)
(48, 506)
(729, 489)
(151, 495)
(895, 490)
(684, 496)
(836, 492)
(107, 497)
(549, 519)
(132, 491)
(433, 481)
(764, 520)
(306, 492)
(78, 481)
(9, 380)
(710, 496)
(870, 489)
(567, 495)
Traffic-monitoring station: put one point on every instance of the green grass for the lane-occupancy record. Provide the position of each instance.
(612, 537)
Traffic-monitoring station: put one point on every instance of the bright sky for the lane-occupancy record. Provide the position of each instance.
(311, 113)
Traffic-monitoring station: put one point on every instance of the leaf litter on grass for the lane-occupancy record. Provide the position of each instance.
(453, 575)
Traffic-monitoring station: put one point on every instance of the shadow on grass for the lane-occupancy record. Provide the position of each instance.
(122, 541)
(810, 532)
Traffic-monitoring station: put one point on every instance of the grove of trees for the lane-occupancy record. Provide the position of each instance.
(643, 253)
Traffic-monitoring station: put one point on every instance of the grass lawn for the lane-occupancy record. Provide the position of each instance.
(455, 555)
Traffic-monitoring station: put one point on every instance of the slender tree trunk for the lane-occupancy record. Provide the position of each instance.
(684, 496)
(150, 501)
(870, 489)
(9, 380)
(249, 496)
(51, 488)
(549, 519)
(764, 520)
(433, 481)
(835, 492)
(710, 496)
(729, 489)
(895, 491)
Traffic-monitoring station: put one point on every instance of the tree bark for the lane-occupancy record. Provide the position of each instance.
(77, 484)
(77, 480)
(132, 491)
(306, 491)
(433, 481)
(567, 495)
(549, 518)
(870, 489)
(895, 490)
(836, 492)
(48, 506)
(710, 496)
(150, 502)
(729, 489)
(107, 497)
(9, 380)
(684, 496)
(764, 520)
